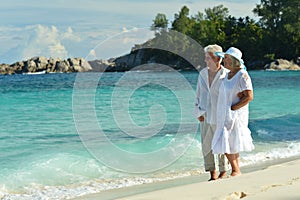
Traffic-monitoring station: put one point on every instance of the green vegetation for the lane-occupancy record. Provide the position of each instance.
(275, 35)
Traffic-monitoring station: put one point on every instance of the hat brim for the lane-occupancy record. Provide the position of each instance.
(220, 54)
(241, 60)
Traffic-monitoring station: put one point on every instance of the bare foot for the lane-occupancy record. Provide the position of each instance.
(222, 175)
(236, 173)
(213, 175)
(212, 179)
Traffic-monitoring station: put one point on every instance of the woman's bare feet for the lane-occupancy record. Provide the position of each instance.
(236, 173)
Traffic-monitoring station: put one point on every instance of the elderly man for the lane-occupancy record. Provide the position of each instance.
(205, 108)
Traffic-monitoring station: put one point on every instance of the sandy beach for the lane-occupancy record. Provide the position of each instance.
(272, 180)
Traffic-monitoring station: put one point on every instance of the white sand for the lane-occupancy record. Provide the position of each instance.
(279, 181)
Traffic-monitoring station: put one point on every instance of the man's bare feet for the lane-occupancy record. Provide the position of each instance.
(213, 175)
(222, 175)
(212, 179)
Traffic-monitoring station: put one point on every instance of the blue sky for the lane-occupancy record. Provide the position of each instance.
(73, 28)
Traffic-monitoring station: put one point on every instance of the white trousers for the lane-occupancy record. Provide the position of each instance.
(207, 134)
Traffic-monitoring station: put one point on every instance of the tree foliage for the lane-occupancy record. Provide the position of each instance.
(182, 23)
(280, 21)
(160, 22)
(275, 35)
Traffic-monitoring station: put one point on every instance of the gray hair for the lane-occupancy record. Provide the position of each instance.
(235, 62)
(213, 48)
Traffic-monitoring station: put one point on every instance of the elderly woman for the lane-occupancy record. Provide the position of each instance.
(232, 133)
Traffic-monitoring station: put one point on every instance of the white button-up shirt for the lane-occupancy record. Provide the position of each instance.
(207, 97)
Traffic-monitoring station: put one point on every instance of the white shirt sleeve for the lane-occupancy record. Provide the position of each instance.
(198, 111)
(246, 83)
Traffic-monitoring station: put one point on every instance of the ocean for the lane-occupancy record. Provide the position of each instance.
(67, 135)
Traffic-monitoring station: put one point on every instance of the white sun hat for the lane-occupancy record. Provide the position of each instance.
(235, 52)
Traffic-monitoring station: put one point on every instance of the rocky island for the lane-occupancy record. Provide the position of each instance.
(46, 65)
(120, 64)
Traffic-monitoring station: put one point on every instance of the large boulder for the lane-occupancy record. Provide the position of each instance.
(282, 64)
(51, 65)
(74, 61)
(81, 65)
(30, 66)
(62, 66)
(4, 68)
(41, 63)
(17, 67)
(101, 65)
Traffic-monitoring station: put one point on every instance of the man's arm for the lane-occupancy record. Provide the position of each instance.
(245, 97)
(198, 113)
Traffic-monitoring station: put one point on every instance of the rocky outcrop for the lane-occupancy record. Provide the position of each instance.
(120, 64)
(281, 64)
(42, 64)
(104, 65)
(151, 57)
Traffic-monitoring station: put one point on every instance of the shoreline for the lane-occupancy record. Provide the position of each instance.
(173, 189)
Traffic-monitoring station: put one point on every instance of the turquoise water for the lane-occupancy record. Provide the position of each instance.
(143, 130)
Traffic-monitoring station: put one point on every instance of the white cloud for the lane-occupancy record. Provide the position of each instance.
(69, 35)
(121, 43)
(44, 41)
(92, 55)
(36, 40)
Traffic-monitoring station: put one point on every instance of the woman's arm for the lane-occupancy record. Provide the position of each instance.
(245, 98)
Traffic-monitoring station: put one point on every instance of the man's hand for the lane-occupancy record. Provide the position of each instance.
(201, 118)
(240, 95)
(245, 98)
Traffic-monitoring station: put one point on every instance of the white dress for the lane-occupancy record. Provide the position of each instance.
(232, 133)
